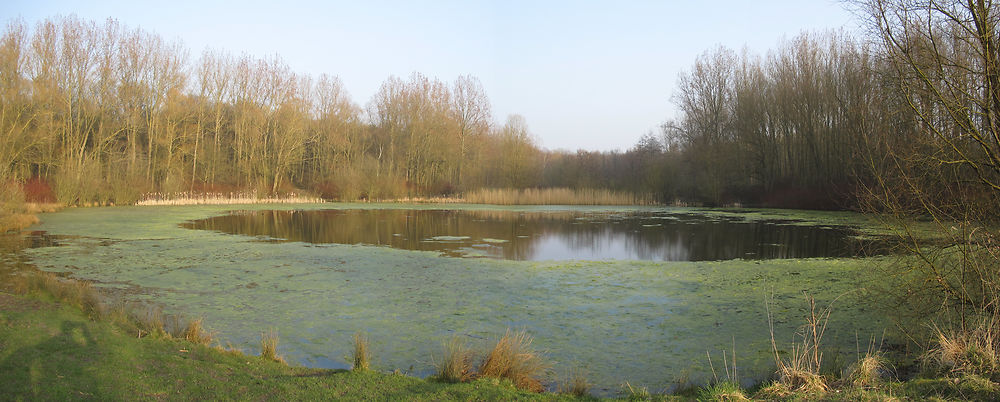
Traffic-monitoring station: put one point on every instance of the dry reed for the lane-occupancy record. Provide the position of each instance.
(80, 294)
(362, 357)
(192, 330)
(186, 198)
(555, 196)
(15, 222)
(800, 372)
(269, 345)
(967, 351)
(456, 362)
(513, 358)
(575, 383)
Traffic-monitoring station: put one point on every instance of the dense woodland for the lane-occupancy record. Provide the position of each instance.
(104, 113)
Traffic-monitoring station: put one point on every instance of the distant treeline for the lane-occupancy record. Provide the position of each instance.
(104, 113)
(803, 126)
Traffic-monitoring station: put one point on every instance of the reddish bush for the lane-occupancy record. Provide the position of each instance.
(37, 189)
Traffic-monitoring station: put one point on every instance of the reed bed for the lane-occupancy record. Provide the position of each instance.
(555, 196)
(188, 198)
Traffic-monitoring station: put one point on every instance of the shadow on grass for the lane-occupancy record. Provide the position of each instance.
(54, 366)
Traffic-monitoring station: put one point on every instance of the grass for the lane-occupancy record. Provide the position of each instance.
(555, 196)
(800, 371)
(723, 391)
(512, 358)
(575, 383)
(17, 216)
(52, 351)
(455, 364)
(269, 346)
(362, 356)
(972, 351)
(50, 348)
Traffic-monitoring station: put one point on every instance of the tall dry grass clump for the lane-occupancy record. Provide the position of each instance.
(269, 345)
(456, 362)
(555, 196)
(868, 371)
(151, 321)
(191, 330)
(800, 372)
(362, 356)
(513, 358)
(967, 351)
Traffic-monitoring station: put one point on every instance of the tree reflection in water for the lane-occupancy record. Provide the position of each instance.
(656, 236)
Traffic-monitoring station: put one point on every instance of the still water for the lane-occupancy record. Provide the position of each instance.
(535, 236)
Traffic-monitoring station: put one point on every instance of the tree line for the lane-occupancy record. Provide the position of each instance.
(797, 127)
(105, 113)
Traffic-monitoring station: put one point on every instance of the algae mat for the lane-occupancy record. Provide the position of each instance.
(647, 323)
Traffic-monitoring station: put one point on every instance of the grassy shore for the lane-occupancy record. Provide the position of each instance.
(53, 351)
(57, 342)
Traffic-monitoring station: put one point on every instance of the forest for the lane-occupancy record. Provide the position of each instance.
(97, 112)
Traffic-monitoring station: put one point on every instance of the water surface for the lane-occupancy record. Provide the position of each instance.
(537, 236)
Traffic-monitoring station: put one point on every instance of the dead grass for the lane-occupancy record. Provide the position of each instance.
(191, 330)
(150, 321)
(186, 198)
(455, 364)
(575, 383)
(868, 371)
(723, 391)
(15, 222)
(269, 345)
(513, 358)
(76, 293)
(631, 393)
(800, 372)
(362, 357)
(970, 351)
(555, 196)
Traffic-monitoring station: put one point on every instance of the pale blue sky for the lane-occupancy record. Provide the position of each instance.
(594, 75)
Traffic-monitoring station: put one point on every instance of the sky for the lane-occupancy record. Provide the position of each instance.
(593, 75)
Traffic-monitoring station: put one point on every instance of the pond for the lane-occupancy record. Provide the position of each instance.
(540, 236)
(620, 315)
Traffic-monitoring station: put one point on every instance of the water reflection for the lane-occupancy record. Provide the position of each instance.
(657, 236)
